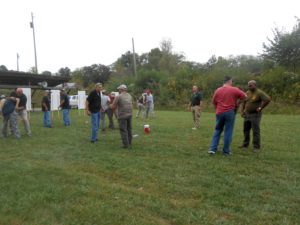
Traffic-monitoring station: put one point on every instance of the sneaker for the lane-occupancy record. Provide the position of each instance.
(211, 152)
(194, 128)
(227, 154)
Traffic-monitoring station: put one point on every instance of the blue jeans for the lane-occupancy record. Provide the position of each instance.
(95, 120)
(47, 119)
(226, 120)
(66, 117)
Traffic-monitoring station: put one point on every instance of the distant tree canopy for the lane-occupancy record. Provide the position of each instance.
(3, 68)
(47, 73)
(64, 72)
(96, 73)
(284, 49)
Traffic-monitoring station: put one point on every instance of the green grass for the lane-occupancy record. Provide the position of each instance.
(58, 177)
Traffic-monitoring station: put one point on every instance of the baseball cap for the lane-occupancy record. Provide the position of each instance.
(122, 87)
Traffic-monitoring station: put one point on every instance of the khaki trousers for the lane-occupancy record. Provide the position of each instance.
(196, 112)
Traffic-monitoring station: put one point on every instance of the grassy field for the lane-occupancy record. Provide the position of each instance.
(58, 177)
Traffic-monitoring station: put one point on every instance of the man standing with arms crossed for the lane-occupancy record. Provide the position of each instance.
(195, 106)
(225, 101)
(251, 110)
(93, 107)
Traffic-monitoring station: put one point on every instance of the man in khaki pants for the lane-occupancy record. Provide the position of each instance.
(195, 106)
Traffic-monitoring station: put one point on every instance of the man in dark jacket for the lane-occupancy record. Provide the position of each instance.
(93, 106)
(65, 105)
(46, 108)
(9, 105)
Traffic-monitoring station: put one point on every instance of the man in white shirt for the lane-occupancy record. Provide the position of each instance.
(105, 102)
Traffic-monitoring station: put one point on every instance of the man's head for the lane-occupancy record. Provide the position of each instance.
(122, 88)
(228, 80)
(46, 93)
(252, 85)
(62, 91)
(98, 87)
(195, 89)
(19, 91)
(104, 92)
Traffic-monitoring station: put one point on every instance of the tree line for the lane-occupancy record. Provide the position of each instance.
(170, 76)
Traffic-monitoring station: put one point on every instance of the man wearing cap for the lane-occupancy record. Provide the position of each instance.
(65, 105)
(21, 110)
(225, 101)
(46, 109)
(124, 104)
(93, 107)
(195, 106)
(251, 110)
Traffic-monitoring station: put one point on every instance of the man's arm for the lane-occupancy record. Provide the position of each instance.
(87, 107)
(44, 104)
(265, 101)
(114, 104)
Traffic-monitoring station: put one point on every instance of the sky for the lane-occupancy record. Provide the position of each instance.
(77, 33)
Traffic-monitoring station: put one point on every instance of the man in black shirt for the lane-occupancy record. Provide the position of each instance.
(93, 106)
(65, 105)
(21, 110)
(46, 109)
(195, 106)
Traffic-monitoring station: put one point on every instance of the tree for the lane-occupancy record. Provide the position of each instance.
(96, 73)
(64, 72)
(169, 61)
(284, 49)
(124, 64)
(3, 68)
(47, 73)
(32, 70)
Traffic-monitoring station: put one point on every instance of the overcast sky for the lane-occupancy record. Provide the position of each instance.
(79, 33)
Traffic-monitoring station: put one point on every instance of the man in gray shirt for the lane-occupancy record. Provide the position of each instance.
(124, 104)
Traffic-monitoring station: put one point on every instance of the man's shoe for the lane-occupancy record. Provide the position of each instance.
(211, 152)
(194, 128)
(227, 154)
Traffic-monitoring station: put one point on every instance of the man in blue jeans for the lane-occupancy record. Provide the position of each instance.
(65, 105)
(46, 109)
(225, 100)
(93, 107)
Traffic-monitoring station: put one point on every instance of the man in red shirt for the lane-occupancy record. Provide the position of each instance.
(225, 100)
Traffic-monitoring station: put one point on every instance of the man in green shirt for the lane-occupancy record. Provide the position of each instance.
(251, 110)
(195, 106)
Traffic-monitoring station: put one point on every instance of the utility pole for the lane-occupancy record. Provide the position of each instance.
(35, 57)
(134, 59)
(18, 61)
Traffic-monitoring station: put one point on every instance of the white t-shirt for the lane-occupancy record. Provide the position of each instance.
(105, 100)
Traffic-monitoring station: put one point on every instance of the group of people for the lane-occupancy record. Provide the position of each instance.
(64, 105)
(11, 108)
(97, 107)
(145, 105)
(227, 100)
